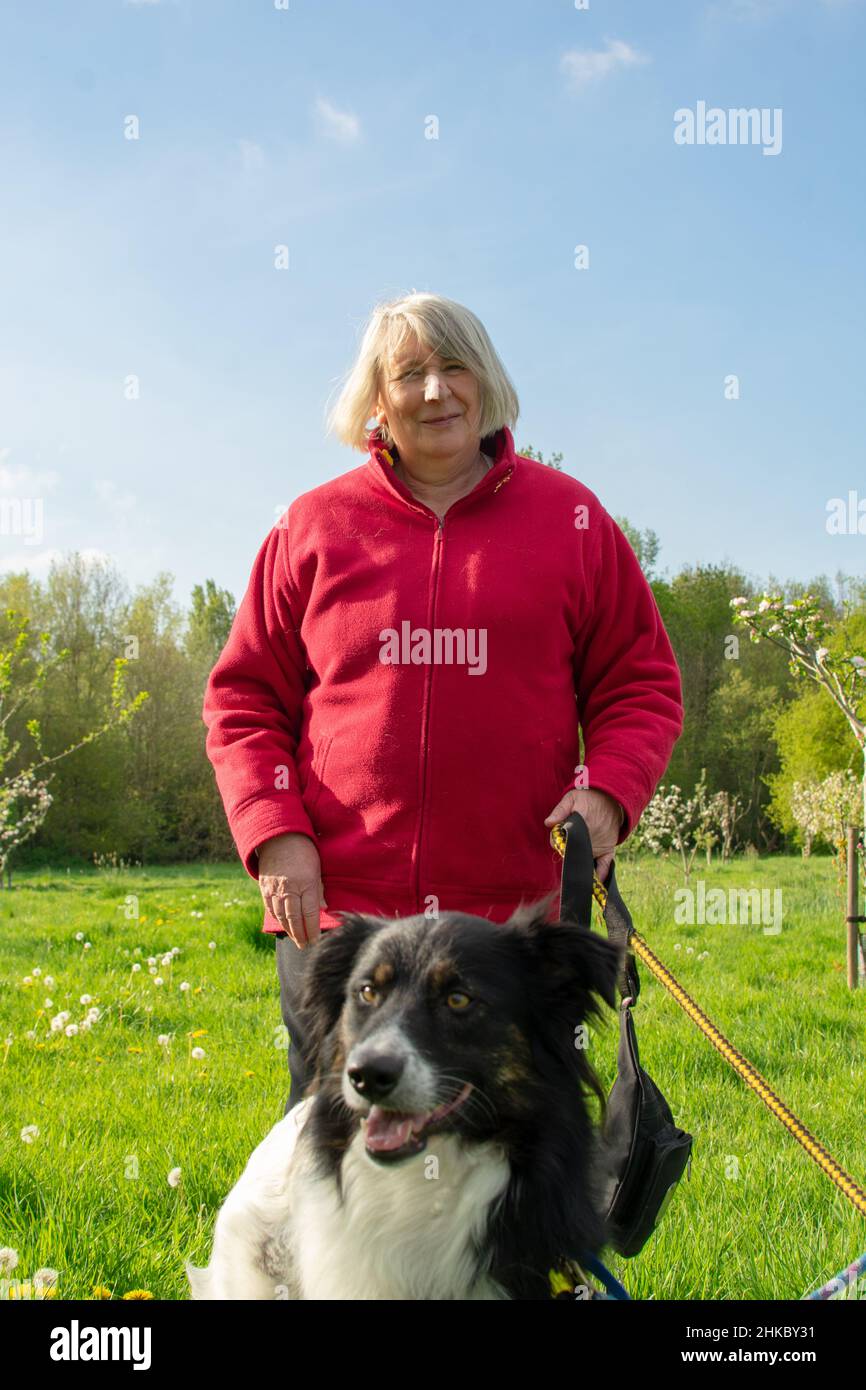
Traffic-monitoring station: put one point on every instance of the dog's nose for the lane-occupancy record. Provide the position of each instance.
(375, 1077)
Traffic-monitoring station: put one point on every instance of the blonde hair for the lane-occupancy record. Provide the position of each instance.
(441, 325)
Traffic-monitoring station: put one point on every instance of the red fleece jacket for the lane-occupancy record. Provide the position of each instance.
(406, 691)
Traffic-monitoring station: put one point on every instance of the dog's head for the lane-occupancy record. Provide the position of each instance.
(460, 1024)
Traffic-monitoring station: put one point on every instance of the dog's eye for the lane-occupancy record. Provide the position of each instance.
(368, 994)
(457, 1000)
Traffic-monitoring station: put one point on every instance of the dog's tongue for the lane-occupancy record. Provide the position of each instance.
(388, 1129)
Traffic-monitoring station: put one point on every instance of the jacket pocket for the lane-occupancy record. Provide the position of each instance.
(315, 781)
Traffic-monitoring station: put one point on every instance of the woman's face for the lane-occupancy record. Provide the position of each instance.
(418, 389)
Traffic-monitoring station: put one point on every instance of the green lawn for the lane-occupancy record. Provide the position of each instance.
(117, 1111)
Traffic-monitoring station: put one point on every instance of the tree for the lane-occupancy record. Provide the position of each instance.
(24, 795)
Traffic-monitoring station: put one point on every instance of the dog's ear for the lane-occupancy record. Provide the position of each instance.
(573, 964)
(331, 962)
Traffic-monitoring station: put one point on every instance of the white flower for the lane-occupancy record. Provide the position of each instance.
(821, 653)
(29, 1133)
(197, 1053)
(93, 1013)
(31, 1034)
(28, 980)
(8, 1258)
(71, 1029)
(151, 960)
(64, 1015)
(79, 936)
(211, 945)
(87, 945)
(157, 980)
(185, 986)
(136, 967)
(175, 950)
(151, 970)
(164, 1039)
(46, 1276)
(36, 970)
(738, 602)
(49, 1004)
(678, 947)
(48, 982)
(9, 1041)
(174, 1177)
(85, 998)
(858, 661)
(167, 959)
(86, 1024)
(690, 950)
(56, 1024)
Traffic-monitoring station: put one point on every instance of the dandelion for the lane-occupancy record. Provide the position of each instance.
(86, 1024)
(184, 986)
(174, 1177)
(138, 1293)
(86, 999)
(197, 1053)
(151, 960)
(46, 1277)
(677, 946)
(690, 950)
(49, 1004)
(28, 980)
(135, 1049)
(87, 945)
(9, 1041)
(48, 982)
(167, 958)
(8, 1258)
(136, 967)
(56, 1024)
(36, 971)
(29, 1133)
(71, 1029)
(100, 1291)
(79, 936)
(211, 945)
(158, 980)
(93, 1013)
(151, 970)
(164, 1039)
(31, 1034)
(199, 1033)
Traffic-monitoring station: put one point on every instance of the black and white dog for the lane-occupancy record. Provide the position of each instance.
(445, 1149)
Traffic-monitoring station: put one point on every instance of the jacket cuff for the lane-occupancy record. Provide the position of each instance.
(625, 781)
(263, 818)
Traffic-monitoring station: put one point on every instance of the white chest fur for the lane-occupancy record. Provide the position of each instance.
(409, 1231)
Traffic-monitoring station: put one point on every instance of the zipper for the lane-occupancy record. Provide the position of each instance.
(435, 570)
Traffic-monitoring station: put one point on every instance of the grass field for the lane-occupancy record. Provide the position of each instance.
(117, 1110)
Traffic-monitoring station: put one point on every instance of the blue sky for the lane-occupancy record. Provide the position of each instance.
(261, 126)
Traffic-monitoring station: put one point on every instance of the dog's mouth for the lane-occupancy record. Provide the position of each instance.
(393, 1134)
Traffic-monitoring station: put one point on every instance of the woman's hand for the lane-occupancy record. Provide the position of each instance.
(290, 879)
(603, 815)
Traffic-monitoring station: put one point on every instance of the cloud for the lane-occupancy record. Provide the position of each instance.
(337, 125)
(586, 65)
(252, 156)
(23, 481)
(111, 496)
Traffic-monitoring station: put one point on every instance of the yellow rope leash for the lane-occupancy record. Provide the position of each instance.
(750, 1075)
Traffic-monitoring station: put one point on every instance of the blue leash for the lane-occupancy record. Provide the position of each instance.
(614, 1288)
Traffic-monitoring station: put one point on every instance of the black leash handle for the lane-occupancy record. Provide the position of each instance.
(576, 897)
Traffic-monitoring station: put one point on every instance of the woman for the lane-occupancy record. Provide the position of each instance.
(393, 721)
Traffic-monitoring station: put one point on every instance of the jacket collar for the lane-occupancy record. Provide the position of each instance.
(499, 446)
